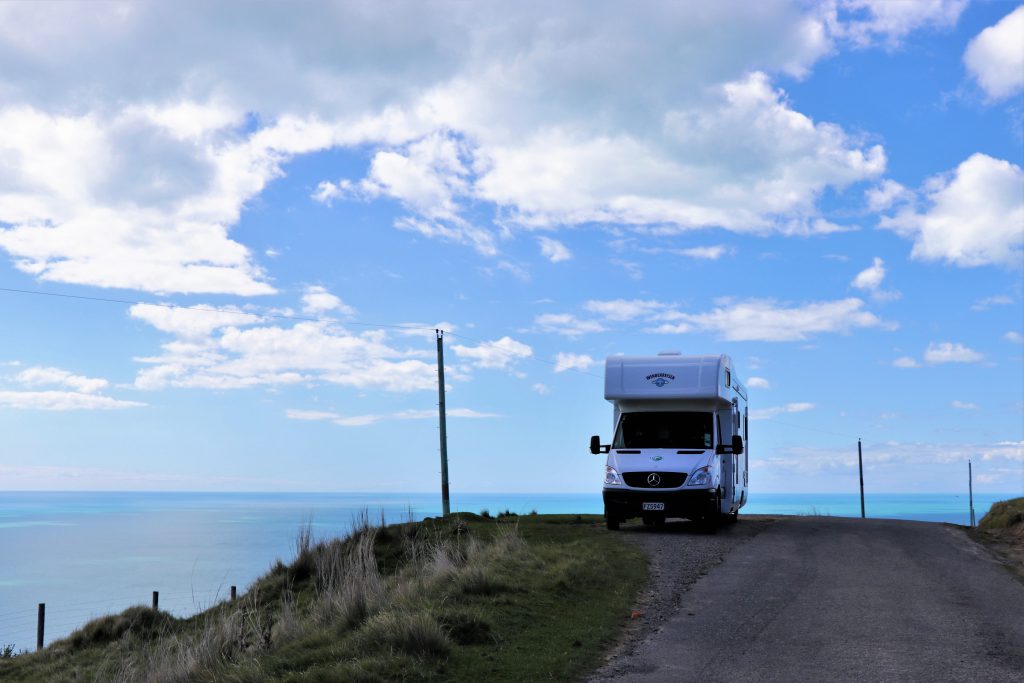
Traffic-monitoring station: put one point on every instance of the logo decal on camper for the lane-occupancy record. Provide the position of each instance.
(656, 458)
(660, 379)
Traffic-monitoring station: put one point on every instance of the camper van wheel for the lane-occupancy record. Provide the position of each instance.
(612, 523)
(733, 517)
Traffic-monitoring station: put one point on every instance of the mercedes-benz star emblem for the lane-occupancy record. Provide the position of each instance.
(653, 479)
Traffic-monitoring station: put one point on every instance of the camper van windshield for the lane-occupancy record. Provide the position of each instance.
(663, 430)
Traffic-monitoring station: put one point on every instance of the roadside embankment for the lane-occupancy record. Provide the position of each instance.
(1002, 530)
(466, 598)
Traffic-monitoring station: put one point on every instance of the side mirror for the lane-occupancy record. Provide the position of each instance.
(737, 444)
(595, 444)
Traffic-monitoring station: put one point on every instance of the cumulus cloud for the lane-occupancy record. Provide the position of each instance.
(759, 383)
(1015, 337)
(866, 22)
(74, 392)
(973, 216)
(964, 405)
(229, 357)
(624, 309)
(906, 362)
(136, 178)
(36, 376)
(766, 320)
(886, 194)
(541, 388)
(553, 250)
(193, 321)
(769, 413)
(317, 300)
(995, 58)
(500, 353)
(572, 361)
(712, 253)
(870, 278)
(949, 352)
(566, 324)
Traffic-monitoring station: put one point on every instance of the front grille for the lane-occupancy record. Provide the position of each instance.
(669, 480)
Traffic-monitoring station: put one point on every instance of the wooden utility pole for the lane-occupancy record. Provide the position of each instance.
(445, 505)
(860, 466)
(970, 489)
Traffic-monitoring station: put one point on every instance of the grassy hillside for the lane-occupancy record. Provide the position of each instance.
(466, 598)
(1003, 515)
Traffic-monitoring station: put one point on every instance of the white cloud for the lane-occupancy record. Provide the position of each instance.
(765, 320)
(499, 354)
(769, 413)
(365, 420)
(906, 362)
(886, 194)
(870, 278)
(553, 250)
(135, 177)
(317, 300)
(948, 352)
(36, 376)
(989, 302)
(963, 405)
(974, 215)
(995, 58)
(62, 400)
(572, 361)
(271, 355)
(865, 22)
(1015, 337)
(620, 310)
(194, 321)
(712, 253)
(541, 389)
(1005, 450)
(759, 383)
(567, 324)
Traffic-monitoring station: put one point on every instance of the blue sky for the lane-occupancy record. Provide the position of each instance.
(831, 193)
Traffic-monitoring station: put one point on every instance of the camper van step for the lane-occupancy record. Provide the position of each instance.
(628, 452)
(689, 452)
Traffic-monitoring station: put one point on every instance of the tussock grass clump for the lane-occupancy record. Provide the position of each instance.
(140, 622)
(414, 633)
(1003, 515)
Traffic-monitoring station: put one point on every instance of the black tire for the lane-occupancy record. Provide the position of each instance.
(733, 518)
(612, 523)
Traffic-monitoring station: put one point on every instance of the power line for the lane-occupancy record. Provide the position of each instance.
(278, 316)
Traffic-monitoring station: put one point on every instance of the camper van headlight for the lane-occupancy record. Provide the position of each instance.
(611, 476)
(700, 477)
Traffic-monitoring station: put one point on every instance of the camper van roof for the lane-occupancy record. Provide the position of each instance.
(670, 377)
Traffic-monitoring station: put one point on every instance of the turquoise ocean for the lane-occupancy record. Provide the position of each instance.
(86, 554)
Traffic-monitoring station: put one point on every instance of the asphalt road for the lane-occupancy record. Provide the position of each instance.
(834, 599)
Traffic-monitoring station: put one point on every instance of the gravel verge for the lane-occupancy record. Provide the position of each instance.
(679, 554)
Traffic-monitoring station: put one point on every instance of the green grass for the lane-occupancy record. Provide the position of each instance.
(1003, 515)
(467, 598)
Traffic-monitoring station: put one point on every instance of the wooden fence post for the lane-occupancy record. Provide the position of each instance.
(156, 600)
(40, 624)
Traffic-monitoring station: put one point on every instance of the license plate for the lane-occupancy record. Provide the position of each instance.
(653, 506)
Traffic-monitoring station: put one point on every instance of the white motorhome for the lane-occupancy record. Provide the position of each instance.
(680, 435)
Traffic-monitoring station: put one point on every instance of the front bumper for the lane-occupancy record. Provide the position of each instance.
(623, 504)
